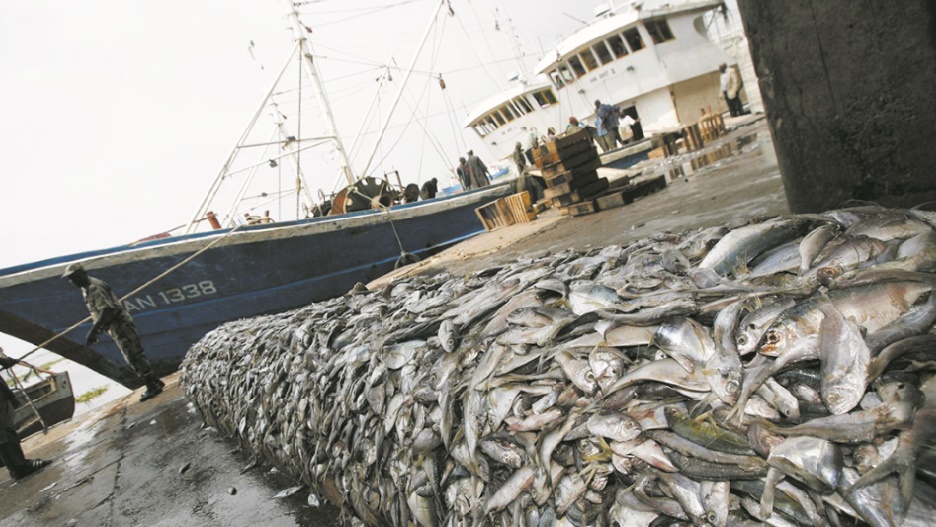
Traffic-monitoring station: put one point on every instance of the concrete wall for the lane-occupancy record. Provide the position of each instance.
(849, 87)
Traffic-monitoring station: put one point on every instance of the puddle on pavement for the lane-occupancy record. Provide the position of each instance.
(687, 164)
(78, 441)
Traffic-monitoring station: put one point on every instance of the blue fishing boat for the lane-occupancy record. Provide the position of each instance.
(226, 274)
(180, 286)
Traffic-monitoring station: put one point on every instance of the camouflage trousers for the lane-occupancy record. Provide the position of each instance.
(125, 334)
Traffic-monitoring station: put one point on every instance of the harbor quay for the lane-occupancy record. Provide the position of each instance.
(157, 463)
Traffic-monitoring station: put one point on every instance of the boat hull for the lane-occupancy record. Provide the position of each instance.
(245, 272)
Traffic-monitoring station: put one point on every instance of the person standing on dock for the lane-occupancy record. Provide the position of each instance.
(110, 316)
(731, 89)
(10, 450)
(526, 180)
(609, 120)
(478, 171)
(464, 177)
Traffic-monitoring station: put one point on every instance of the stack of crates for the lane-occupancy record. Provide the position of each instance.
(570, 167)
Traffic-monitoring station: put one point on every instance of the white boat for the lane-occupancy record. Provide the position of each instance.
(48, 401)
(651, 59)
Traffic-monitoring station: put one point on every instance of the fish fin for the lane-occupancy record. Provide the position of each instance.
(907, 476)
(767, 498)
(876, 474)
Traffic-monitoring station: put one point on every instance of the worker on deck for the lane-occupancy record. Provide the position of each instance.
(109, 315)
(429, 189)
(480, 177)
(10, 450)
(464, 174)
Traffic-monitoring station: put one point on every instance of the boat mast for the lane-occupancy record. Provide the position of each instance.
(203, 208)
(406, 77)
(306, 55)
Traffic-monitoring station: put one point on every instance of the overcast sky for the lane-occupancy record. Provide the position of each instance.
(117, 115)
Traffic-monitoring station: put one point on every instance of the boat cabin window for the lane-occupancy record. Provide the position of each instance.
(659, 30)
(505, 111)
(632, 36)
(566, 74)
(523, 105)
(545, 97)
(499, 118)
(617, 46)
(490, 123)
(589, 59)
(601, 51)
(576, 66)
(556, 79)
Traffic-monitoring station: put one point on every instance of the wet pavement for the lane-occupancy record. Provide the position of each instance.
(122, 464)
(733, 177)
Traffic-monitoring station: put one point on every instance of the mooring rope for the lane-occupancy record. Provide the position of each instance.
(21, 388)
(135, 291)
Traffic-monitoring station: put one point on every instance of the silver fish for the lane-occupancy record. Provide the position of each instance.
(615, 426)
(844, 359)
(741, 245)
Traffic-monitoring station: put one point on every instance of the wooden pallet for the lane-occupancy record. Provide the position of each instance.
(565, 141)
(579, 209)
(552, 190)
(519, 206)
(494, 215)
(627, 195)
(583, 194)
(580, 163)
(506, 211)
(574, 149)
(569, 176)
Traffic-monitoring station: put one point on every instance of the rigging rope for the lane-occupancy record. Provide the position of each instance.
(131, 293)
(32, 405)
(299, 136)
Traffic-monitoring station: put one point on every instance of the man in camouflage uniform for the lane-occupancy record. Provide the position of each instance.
(10, 450)
(110, 316)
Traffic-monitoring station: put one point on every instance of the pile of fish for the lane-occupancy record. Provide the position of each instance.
(773, 371)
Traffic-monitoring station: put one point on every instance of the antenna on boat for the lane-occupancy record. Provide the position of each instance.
(306, 55)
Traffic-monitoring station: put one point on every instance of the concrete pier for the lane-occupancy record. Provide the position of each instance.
(848, 91)
(155, 463)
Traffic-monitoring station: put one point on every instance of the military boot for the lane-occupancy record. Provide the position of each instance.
(154, 387)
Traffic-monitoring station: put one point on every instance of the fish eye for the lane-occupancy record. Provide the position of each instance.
(733, 387)
(833, 398)
(773, 337)
(900, 386)
(742, 340)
